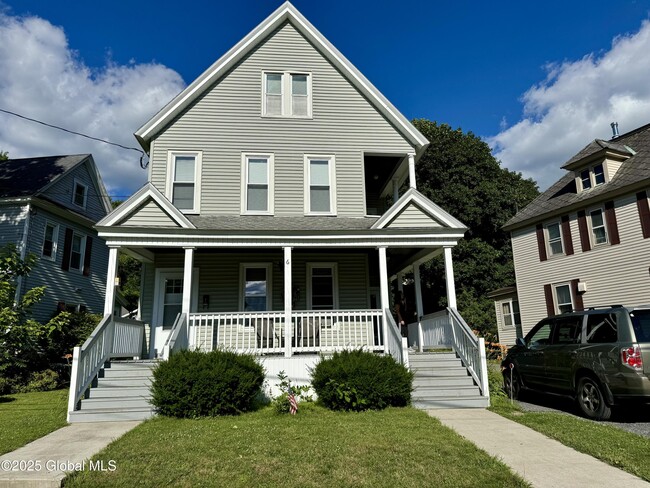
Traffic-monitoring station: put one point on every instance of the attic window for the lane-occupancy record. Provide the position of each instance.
(286, 95)
(80, 194)
(593, 176)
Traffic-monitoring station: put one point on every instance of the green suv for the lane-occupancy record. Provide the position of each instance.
(600, 357)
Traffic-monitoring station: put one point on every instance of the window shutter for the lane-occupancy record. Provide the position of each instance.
(584, 231)
(87, 254)
(541, 245)
(566, 235)
(548, 295)
(67, 249)
(644, 212)
(578, 305)
(612, 225)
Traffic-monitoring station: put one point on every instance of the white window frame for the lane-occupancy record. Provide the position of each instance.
(556, 301)
(270, 157)
(592, 176)
(335, 282)
(171, 167)
(592, 236)
(269, 283)
(548, 239)
(286, 93)
(74, 193)
(82, 252)
(332, 176)
(511, 314)
(55, 241)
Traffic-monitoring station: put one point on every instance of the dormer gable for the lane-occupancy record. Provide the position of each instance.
(597, 163)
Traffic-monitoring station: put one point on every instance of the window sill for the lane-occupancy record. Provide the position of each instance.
(320, 214)
(268, 214)
(300, 117)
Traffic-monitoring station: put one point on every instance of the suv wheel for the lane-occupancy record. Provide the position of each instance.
(511, 383)
(591, 400)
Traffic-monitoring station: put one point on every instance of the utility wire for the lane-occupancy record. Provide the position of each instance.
(142, 154)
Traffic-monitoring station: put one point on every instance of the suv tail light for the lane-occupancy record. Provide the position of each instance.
(631, 357)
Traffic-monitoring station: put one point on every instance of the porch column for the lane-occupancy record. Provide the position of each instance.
(418, 304)
(109, 302)
(383, 289)
(412, 170)
(287, 302)
(187, 280)
(395, 190)
(449, 278)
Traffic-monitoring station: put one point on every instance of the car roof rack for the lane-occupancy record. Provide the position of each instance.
(603, 306)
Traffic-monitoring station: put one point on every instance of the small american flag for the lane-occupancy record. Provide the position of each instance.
(293, 404)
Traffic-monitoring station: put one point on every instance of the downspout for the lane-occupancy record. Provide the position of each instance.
(23, 252)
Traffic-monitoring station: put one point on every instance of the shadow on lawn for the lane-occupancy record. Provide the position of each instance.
(6, 399)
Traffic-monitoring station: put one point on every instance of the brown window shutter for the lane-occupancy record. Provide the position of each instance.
(578, 305)
(644, 212)
(566, 236)
(67, 249)
(584, 231)
(612, 225)
(87, 253)
(541, 245)
(548, 295)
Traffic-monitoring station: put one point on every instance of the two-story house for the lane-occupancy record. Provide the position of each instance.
(49, 206)
(274, 217)
(585, 242)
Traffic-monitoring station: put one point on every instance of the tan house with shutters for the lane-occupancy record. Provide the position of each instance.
(585, 242)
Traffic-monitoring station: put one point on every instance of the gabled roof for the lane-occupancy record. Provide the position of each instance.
(148, 193)
(286, 12)
(563, 197)
(595, 149)
(413, 198)
(28, 177)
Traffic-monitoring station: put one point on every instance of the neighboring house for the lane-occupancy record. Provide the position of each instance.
(506, 306)
(585, 242)
(273, 220)
(49, 206)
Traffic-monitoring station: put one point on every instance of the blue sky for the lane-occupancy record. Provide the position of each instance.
(537, 80)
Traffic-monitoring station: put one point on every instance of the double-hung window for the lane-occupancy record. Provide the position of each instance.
(184, 187)
(286, 94)
(50, 240)
(598, 230)
(563, 298)
(320, 185)
(554, 236)
(77, 251)
(80, 194)
(510, 311)
(322, 286)
(257, 184)
(256, 287)
(593, 176)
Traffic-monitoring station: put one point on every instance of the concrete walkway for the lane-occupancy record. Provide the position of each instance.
(44, 462)
(541, 461)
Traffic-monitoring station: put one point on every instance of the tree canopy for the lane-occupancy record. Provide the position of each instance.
(459, 173)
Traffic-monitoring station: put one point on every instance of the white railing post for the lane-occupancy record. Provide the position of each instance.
(484, 371)
(74, 381)
(287, 304)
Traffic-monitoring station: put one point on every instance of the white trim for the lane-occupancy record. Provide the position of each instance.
(556, 302)
(270, 181)
(547, 239)
(139, 198)
(169, 189)
(331, 166)
(592, 175)
(335, 282)
(55, 240)
(286, 94)
(269, 283)
(510, 302)
(285, 12)
(80, 183)
(82, 252)
(111, 274)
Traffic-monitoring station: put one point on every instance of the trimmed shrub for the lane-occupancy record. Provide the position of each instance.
(198, 384)
(359, 380)
(41, 381)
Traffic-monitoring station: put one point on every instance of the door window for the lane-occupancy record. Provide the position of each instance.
(173, 301)
(540, 335)
(567, 330)
(602, 328)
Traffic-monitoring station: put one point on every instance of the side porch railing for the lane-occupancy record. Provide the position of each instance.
(113, 337)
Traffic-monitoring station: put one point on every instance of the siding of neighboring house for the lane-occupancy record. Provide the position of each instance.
(614, 274)
(12, 224)
(507, 334)
(63, 286)
(227, 121)
(219, 278)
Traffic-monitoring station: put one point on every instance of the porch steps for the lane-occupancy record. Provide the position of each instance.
(122, 393)
(441, 381)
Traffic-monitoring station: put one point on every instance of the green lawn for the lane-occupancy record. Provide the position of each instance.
(28, 416)
(394, 447)
(614, 446)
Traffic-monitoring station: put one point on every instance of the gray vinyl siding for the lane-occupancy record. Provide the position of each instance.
(12, 224)
(71, 287)
(149, 215)
(63, 190)
(413, 217)
(226, 121)
(614, 274)
(220, 280)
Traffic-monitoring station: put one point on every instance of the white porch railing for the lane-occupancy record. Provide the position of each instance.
(311, 331)
(179, 336)
(396, 345)
(113, 337)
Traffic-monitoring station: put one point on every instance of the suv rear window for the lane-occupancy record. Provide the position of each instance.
(601, 328)
(641, 324)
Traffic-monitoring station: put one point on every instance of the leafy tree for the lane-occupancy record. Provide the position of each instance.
(129, 273)
(459, 173)
(4, 155)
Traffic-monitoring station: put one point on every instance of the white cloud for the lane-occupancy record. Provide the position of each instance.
(41, 77)
(576, 104)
